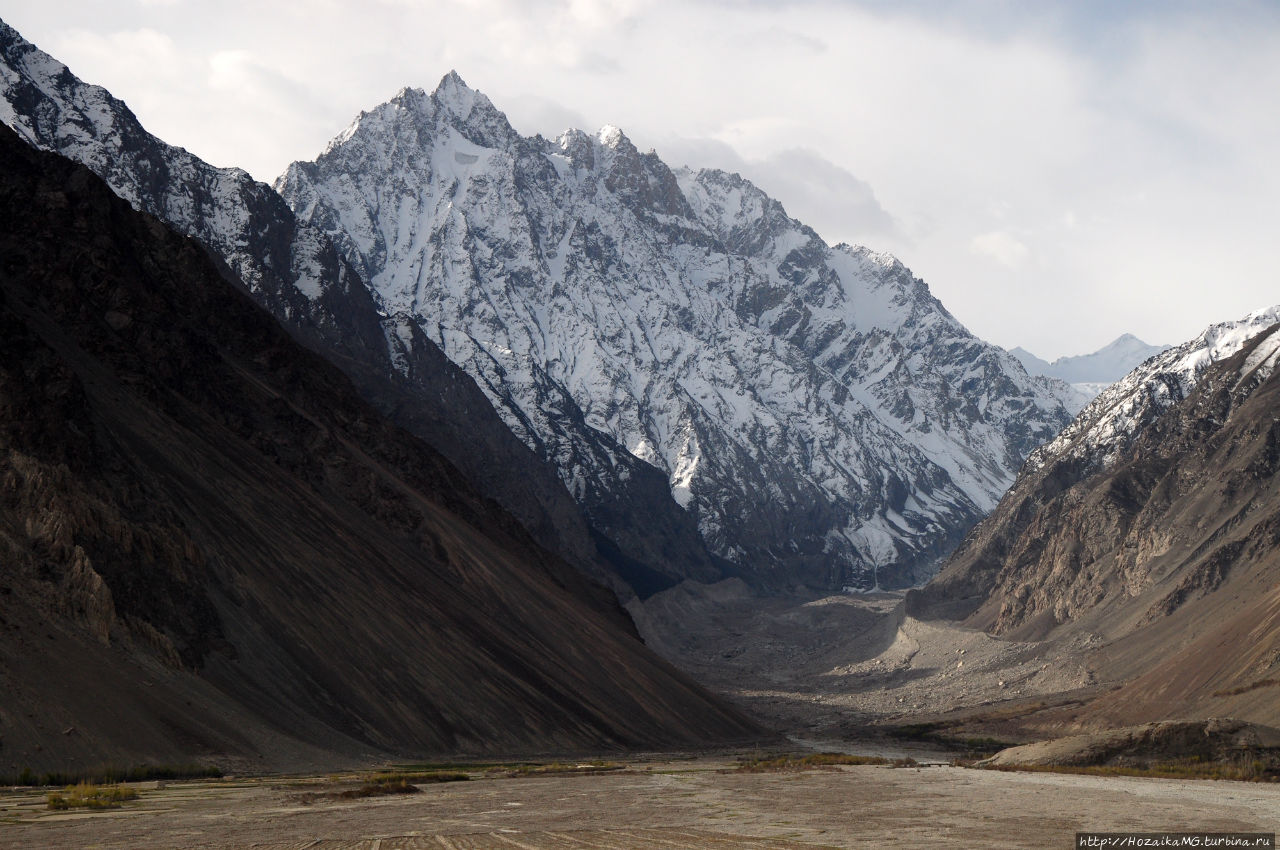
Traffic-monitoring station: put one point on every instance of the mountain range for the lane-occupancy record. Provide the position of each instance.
(1091, 373)
(294, 272)
(718, 391)
(380, 448)
(818, 412)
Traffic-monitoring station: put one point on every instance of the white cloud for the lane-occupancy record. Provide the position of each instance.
(1000, 246)
(832, 200)
(908, 126)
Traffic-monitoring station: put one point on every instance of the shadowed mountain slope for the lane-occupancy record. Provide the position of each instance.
(212, 547)
(640, 536)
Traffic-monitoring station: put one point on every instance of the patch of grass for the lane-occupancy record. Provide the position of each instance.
(453, 766)
(112, 775)
(561, 768)
(782, 764)
(87, 795)
(1189, 768)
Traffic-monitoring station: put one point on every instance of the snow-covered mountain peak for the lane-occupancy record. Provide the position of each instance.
(1092, 373)
(815, 409)
(577, 149)
(612, 137)
(453, 104)
(458, 99)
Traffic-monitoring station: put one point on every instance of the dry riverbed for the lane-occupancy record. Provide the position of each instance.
(659, 803)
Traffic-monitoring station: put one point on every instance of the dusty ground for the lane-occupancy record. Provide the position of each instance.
(842, 667)
(664, 804)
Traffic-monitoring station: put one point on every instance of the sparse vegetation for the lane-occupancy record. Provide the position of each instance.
(379, 789)
(87, 795)
(113, 775)
(561, 768)
(787, 763)
(385, 783)
(1189, 768)
(418, 778)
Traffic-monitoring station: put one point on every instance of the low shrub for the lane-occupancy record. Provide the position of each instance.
(418, 778)
(562, 768)
(379, 789)
(87, 795)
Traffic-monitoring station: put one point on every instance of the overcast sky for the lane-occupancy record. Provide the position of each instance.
(1059, 173)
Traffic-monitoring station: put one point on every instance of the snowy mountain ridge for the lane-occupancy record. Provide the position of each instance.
(816, 409)
(1110, 423)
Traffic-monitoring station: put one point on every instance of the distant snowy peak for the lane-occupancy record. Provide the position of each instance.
(818, 412)
(1104, 366)
(1033, 364)
(1109, 424)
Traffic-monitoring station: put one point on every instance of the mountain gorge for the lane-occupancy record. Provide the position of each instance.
(815, 409)
(215, 549)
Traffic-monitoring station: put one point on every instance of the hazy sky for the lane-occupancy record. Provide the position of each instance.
(1059, 172)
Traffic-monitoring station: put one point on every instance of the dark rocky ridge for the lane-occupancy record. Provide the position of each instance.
(213, 548)
(638, 535)
(1170, 553)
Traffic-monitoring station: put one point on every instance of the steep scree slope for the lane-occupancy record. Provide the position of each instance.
(213, 548)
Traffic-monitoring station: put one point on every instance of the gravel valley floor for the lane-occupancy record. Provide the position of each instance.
(839, 673)
(657, 804)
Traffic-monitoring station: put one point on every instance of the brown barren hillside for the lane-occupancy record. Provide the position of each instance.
(1168, 556)
(211, 548)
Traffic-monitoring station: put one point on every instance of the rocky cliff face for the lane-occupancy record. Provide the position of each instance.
(214, 548)
(815, 409)
(1100, 441)
(1153, 524)
(294, 271)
